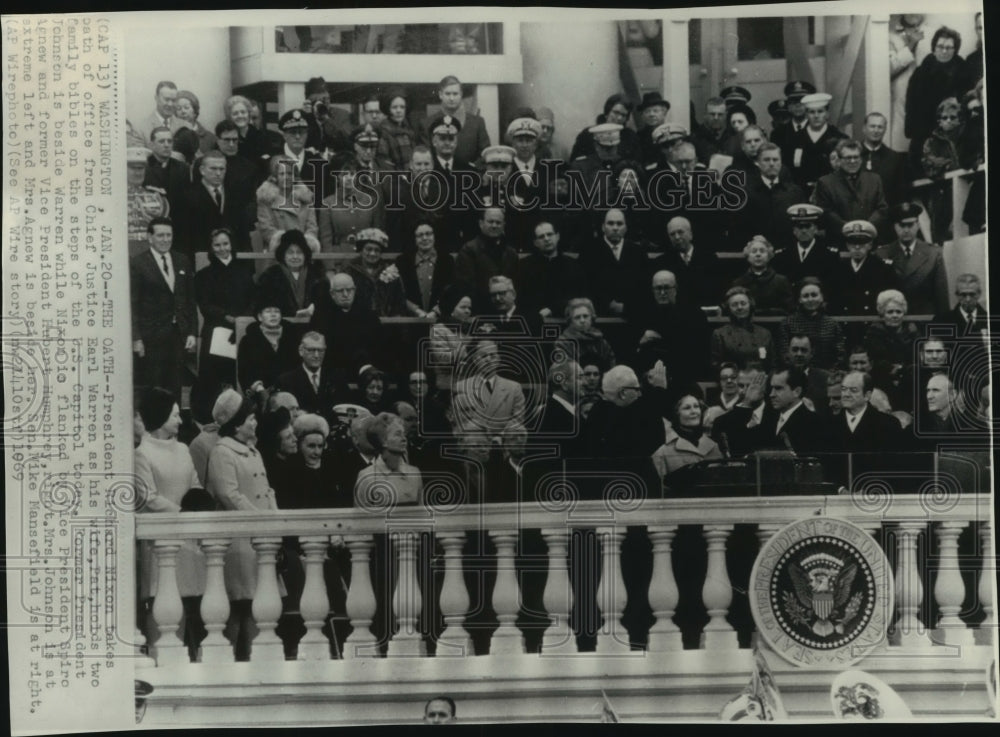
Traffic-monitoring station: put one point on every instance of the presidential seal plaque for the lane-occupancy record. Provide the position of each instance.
(821, 593)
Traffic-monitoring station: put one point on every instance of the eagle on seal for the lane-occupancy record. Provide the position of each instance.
(822, 583)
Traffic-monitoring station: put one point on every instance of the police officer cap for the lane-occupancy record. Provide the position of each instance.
(905, 211)
(292, 119)
(859, 231)
(669, 133)
(524, 127)
(817, 99)
(798, 88)
(734, 94)
(498, 155)
(778, 109)
(606, 134)
(364, 134)
(445, 125)
(804, 213)
(137, 155)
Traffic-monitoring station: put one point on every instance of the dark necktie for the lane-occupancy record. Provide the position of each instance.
(166, 266)
(908, 251)
(218, 198)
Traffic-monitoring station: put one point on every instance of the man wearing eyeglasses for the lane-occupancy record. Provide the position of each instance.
(313, 385)
(352, 327)
(851, 193)
(242, 175)
(861, 429)
(665, 322)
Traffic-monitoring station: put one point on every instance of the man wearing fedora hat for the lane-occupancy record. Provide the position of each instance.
(652, 113)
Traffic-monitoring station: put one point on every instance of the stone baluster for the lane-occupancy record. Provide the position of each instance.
(767, 530)
(215, 648)
(949, 589)
(267, 601)
(167, 607)
(611, 594)
(406, 600)
(361, 604)
(314, 604)
(910, 631)
(455, 639)
(717, 593)
(558, 596)
(507, 638)
(664, 635)
(987, 586)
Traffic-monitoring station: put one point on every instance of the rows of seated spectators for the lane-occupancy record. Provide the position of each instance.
(305, 396)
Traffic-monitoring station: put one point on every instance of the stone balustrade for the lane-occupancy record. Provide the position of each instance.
(905, 524)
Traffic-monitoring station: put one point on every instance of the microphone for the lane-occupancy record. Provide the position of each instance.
(724, 444)
(787, 441)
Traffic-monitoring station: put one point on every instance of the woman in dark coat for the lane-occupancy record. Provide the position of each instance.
(223, 290)
(423, 302)
(269, 347)
(810, 318)
(396, 136)
(942, 73)
(377, 281)
(290, 282)
(253, 143)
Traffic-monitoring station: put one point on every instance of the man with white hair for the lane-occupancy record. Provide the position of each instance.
(665, 322)
(352, 327)
(696, 268)
(622, 424)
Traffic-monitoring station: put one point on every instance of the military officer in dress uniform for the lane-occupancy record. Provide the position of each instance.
(145, 202)
(607, 137)
(919, 266)
(528, 188)
(809, 158)
(783, 134)
(809, 256)
(310, 166)
(859, 280)
(365, 140)
(444, 130)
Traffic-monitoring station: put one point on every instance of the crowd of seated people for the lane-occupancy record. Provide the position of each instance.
(305, 396)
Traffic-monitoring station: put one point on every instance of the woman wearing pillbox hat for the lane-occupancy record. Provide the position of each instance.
(269, 347)
(376, 280)
(237, 480)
